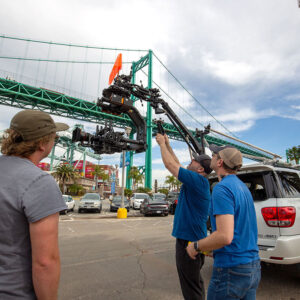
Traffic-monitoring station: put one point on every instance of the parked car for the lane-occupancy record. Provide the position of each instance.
(152, 206)
(69, 202)
(172, 200)
(137, 199)
(116, 203)
(276, 193)
(159, 196)
(90, 202)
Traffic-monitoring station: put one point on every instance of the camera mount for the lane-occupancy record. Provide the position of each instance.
(116, 100)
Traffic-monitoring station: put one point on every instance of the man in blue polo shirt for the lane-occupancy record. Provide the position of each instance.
(236, 272)
(190, 216)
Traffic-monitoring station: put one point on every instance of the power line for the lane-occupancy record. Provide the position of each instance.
(177, 80)
(64, 61)
(71, 45)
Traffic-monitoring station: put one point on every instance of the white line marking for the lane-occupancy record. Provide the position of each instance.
(70, 229)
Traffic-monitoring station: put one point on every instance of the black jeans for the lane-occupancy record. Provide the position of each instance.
(191, 281)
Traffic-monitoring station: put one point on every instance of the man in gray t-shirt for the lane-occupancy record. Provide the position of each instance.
(30, 201)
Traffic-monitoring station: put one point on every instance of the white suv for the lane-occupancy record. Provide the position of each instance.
(276, 194)
(137, 199)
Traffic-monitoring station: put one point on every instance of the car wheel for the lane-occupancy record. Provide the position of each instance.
(79, 210)
(166, 214)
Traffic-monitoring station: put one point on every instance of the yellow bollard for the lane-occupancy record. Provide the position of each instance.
(122, 213)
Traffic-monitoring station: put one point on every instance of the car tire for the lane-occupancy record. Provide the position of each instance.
(79, 210)
(166, 214)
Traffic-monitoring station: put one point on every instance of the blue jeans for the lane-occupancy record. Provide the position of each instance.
(238, 282)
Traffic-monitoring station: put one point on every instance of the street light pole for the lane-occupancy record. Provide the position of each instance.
(123, 175)
(122, 212)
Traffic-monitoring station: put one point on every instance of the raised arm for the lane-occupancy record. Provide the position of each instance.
(171, 163)
(170, 148)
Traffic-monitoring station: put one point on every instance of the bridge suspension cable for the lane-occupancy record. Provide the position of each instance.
(71, 45)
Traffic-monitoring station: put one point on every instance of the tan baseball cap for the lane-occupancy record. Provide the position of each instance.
(34, 124)
(231, 156)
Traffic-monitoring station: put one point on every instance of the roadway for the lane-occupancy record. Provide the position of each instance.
(108, 258)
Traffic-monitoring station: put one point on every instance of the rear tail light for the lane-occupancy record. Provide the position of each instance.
(176, 201)
(279, 216)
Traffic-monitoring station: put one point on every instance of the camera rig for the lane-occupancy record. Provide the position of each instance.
(116, 100)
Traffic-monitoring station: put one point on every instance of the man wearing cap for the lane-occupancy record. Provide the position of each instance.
(236, 272)
(190, 216)
(30, 201)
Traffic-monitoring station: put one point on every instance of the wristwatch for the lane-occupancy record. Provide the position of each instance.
(196, 247)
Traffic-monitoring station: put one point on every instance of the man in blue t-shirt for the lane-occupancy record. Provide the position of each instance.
(236, 272)
(190, 216)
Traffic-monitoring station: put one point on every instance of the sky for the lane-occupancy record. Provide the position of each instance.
(239, 59)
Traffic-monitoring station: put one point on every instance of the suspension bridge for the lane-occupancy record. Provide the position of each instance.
(66, 78)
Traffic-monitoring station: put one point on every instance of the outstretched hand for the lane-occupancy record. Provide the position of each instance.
(167, 139)
(160, 139)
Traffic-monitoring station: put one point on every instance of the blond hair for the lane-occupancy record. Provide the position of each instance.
(13, 144)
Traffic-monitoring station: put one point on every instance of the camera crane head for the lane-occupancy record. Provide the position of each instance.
(116, 99)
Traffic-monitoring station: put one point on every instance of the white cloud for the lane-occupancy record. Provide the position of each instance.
(293, 97)
(230, 71)
(160, 175)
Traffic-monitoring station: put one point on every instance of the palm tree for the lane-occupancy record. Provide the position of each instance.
(170, 180)
(177, 183)
(99, 172)
(64, 173)
(136, 176)
(76, 188)
(294, 154)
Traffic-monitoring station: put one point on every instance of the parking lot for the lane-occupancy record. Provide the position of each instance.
(104, 257)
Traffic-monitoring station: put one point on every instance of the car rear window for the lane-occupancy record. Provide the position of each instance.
(152, 201)
(290, 184)
(260, 184)
(91, 196)
(144, 196)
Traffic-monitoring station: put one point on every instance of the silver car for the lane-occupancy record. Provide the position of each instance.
(90, 202)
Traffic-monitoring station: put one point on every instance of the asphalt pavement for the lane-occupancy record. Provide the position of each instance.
(104, 257)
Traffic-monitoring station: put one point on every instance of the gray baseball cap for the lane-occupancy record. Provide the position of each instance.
(200, 158)
(34, 124)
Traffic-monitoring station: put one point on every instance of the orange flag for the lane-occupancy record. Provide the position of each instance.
(116, 68)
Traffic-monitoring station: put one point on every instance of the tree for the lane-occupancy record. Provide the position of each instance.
(163, 191)
(294, 154)
(76, 189)
(136, 176)
(64, 173)
(177, 183)
(99, 172)
(143, 190)
(128, 192)
(170, 180)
